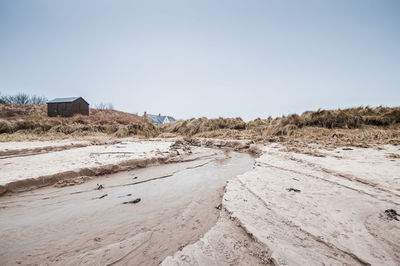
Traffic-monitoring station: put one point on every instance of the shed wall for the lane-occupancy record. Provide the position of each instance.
(79, 106)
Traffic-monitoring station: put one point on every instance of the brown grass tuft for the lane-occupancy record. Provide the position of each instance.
(394, 156)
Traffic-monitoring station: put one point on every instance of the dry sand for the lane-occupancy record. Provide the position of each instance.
(14, 146)
(303, 210)
(47, 168)
(18, 149)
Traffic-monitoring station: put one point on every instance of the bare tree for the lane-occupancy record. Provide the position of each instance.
(100, 106)
(20, 98)
(34, 99)
(2, 98)
(5, 99)
(105, 106)
(110, 106)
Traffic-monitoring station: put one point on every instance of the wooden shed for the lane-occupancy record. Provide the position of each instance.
(67, 106)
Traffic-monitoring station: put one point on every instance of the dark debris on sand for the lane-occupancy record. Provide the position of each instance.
(132, 201)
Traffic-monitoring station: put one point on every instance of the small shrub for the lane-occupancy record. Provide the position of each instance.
(65, 129)
(25, 125)
(5, 127)
(122, 132)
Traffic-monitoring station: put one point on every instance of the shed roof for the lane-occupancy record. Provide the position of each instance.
(65, 100)
(159, 119)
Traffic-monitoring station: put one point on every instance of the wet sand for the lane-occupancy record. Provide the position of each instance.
(81, 225)
(299, 209)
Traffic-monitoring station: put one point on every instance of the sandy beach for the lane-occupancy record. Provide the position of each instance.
(306, 210)
(21, 172)
(208, 206)
(83, 224)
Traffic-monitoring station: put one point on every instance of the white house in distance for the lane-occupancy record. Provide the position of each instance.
(159, 119)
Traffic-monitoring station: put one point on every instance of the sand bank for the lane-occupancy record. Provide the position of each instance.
(20, 173)
(304, 210)
(13, 149)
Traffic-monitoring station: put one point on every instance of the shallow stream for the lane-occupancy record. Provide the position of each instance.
(80, 224)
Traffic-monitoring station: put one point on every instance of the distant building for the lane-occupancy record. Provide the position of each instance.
(67, 106)
(160, 119)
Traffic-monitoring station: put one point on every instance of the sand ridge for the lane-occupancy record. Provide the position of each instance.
(48, 168)
(307, 210)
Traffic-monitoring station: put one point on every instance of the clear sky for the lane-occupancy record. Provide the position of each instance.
(204, 58)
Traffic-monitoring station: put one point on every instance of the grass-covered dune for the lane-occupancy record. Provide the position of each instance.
(353, 126)
(19, 121)
(342, 126)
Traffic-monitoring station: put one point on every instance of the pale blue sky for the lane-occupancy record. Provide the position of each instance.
(204, 58)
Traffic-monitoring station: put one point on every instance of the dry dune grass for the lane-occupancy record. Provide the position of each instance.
(32, 121)
(194, 126)
(15, 111)
(346, 119)
(353, 126)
